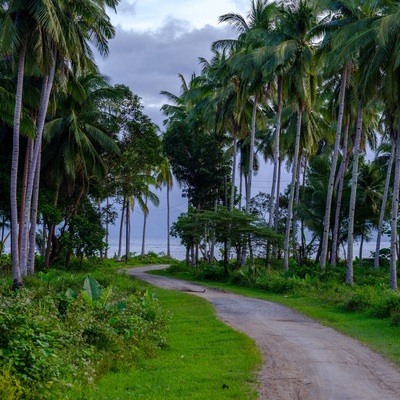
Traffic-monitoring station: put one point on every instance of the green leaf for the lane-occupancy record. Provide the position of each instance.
(92, 288)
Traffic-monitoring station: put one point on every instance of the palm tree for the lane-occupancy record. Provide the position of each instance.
(164, 177)
(386, 147)
(37, 30)
(296, 51)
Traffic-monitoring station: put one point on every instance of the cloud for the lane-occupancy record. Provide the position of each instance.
(149, 62)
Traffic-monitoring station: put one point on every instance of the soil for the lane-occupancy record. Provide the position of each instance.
(302, 359)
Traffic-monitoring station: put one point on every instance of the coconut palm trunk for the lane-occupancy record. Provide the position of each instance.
(394, 215)
(30, 264)
(145, 214)
(336, 227)
(121, 229)
(276, 153)
(28, 158)
(168, 221)
(17, 280)
(234, 163)
(352, 207)
(383, 207)
(332, 174)
(292, 191)
(47, 86)
(251, 156)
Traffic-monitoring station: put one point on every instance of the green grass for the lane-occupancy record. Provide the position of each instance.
(375, 333)
(204, 359)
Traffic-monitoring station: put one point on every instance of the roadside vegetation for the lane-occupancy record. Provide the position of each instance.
(94, 332)
(367, 311)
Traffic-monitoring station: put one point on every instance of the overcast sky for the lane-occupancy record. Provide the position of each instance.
(155, 41)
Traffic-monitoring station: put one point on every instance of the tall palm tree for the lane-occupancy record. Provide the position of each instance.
(296, 50)
(164, 177)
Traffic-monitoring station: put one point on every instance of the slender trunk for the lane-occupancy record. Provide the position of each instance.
(332, 174)
(107, 230)
(251, 156)
(383, 207)
(17, 280)
(352, 207)
(276, 217)
(241, 174)
(47, 85)
(144, 232)
(127, 231)
(168, 222)
(291, 195)
(34, 213)
(51, 232)
(295, 206)
(395, 210)
(276, 153)
(28, 157)
(336, 227)
(274, 193)
(361, 248)
(121, 229)
(232, 199)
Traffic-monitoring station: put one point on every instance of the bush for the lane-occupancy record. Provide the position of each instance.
(53, 338)
(387, 303)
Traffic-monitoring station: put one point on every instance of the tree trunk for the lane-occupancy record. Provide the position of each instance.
(168, 222)
(352, 207)
(234, 162)
(17, 280)
(295, 206)
(121, 229)
(274, 192)
(251, 155)
(292, 188)
(395, 210)
(51, 232)
(383, 206)
(342, 170)
(30, 266)
(47, 85)
(107, 230)
(144, 232)
(127, 231)
(28, 157)
(332, 174)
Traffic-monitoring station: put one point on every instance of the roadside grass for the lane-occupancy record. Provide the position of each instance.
(204, 359)
(377, 334)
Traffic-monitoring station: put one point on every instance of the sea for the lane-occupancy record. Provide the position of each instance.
(178, 251)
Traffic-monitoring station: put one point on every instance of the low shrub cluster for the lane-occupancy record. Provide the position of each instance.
(371, 294)
(62, 332)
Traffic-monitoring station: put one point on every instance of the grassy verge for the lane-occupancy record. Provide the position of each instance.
(204, 359)
(377, 334)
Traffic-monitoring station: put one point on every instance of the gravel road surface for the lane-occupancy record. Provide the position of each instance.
(302, 360)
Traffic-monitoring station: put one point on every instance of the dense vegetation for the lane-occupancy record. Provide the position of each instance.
(65, 330)
(311, 84)
(368, 311)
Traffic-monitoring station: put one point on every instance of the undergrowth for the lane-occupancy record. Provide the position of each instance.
(370, 293)
(63, 331)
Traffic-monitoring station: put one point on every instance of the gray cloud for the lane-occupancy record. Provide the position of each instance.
(151, 61)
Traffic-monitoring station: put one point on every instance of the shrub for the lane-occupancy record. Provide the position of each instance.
(52, 338)
(387, 303)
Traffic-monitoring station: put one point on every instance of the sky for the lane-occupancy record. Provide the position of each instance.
(155, 42)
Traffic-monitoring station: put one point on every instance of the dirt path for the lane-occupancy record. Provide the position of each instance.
(303, 360)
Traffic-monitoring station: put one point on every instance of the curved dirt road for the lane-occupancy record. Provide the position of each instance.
(302, 359)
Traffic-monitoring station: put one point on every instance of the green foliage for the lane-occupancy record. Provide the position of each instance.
(10, 388)
(58, 333)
